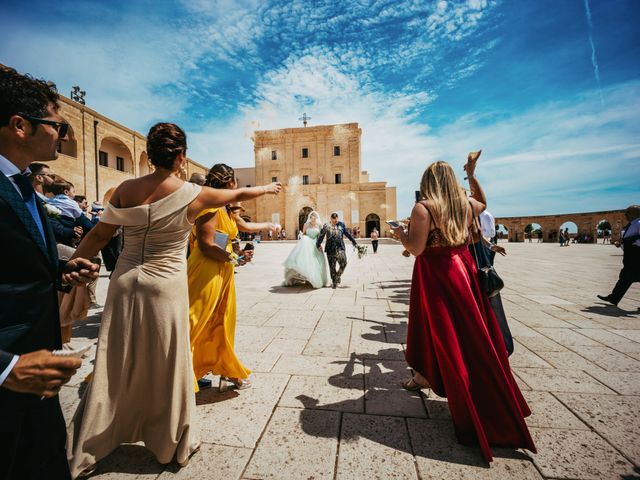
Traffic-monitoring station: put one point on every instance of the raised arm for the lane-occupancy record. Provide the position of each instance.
(478, 198)
(253, 227)
(218, 197)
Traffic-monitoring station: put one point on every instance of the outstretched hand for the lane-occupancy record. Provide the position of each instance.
(273, 188)
(472, 160)
(274, 227)
(499, 249)
(80, 271)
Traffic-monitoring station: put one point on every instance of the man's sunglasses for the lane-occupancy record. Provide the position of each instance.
(61, 127)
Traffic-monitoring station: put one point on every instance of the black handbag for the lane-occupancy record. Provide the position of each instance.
(490, 281)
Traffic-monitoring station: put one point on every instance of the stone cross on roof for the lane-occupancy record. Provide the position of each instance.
(304, 119)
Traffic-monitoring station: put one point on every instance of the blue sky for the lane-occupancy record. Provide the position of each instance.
(550, 90)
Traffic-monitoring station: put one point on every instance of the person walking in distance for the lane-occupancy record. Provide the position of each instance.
(334, 247)
(630, 244)
(374, 239)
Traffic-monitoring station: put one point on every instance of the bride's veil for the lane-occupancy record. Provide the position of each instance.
(318, 219)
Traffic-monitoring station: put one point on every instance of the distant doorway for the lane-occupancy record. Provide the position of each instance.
(302, 216)
(372, 221)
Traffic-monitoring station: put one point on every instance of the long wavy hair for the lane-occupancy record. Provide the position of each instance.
(447, 201)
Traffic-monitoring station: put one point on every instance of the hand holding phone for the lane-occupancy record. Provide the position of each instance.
(393, 223)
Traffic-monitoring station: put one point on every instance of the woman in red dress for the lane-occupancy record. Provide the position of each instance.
(454, 344)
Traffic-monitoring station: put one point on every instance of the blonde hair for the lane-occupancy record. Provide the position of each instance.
(447, 202)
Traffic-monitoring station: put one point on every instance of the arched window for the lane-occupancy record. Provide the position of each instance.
(113, 153)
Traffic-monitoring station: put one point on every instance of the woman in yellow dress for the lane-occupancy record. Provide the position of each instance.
(212, 296)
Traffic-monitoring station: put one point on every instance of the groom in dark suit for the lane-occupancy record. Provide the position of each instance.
(32, 428)
(334, 248)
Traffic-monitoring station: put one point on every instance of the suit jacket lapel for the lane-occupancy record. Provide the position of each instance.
(48, 231)
(13, 198)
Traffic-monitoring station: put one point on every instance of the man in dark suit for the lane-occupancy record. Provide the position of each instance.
(334, 248)
(630, 244)
(31, 423)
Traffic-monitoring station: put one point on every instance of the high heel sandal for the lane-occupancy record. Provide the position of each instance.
(186, 462)
(412, 386)
(238, 383)
(90, 470)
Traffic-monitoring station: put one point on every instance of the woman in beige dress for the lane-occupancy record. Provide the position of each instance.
(142, 388)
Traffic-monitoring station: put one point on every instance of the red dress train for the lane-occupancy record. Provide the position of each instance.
(455, 342)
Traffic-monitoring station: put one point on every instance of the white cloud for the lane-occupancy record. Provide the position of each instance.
(559, 157)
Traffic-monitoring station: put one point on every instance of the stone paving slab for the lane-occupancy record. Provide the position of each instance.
(297, 444)
(326, 400)
(213, 462)
(546, 380)
(338, 394)
(439, 455)
(374, 446)
(577, 454)
(617, 419)
(384, 393)
(549, 412)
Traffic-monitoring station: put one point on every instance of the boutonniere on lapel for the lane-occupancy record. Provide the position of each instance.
(53, 212)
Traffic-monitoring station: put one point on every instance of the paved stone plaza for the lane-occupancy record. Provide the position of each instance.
(327, 403)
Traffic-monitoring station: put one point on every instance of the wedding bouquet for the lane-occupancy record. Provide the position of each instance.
(362, 250)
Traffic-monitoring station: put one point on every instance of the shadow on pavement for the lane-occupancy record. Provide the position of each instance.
(610, 311)
(384, 372)
(87, 328)
(290, 290)
(130, 459)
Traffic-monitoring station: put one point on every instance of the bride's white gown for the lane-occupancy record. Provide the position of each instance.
(306, 263)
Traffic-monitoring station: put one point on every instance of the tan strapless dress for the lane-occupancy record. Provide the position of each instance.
(142, 387)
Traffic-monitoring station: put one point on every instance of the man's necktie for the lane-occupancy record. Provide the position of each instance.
(28, 195)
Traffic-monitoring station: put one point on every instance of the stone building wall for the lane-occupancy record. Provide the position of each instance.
(310, 182)
(79, 160)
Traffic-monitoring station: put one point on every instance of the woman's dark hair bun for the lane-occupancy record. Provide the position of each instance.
(165, 142)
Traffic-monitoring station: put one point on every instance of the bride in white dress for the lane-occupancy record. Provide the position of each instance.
(306, 263)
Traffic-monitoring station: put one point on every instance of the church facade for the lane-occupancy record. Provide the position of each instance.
(320, 169)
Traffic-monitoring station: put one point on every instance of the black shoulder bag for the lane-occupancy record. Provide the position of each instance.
(490, 281)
